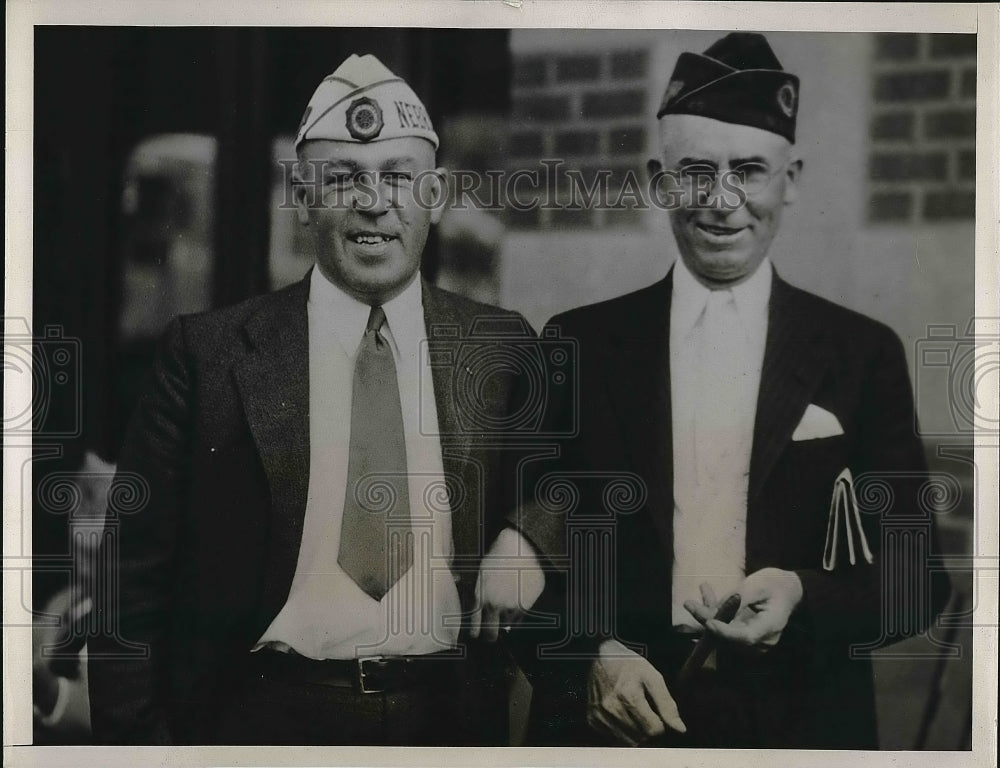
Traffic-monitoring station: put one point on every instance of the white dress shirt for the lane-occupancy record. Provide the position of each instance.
(327, 615)
(716, 353)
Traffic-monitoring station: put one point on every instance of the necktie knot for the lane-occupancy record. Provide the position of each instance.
(376, 318)
(721, 320)
(718, 299)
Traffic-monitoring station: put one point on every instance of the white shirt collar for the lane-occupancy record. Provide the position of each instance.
(347, 317)
(689, 296)
(405, 317)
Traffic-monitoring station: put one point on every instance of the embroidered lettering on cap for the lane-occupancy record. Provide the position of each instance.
(401, 114)
(412, 116)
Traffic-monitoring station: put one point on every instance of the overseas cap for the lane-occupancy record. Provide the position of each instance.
(363, 101)
(737, 80)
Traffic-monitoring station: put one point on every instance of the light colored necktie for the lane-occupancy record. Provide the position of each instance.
(376, 539)
(710, 526)
(717, 420)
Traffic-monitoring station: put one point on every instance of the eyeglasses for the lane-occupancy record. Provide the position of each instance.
(748, 178)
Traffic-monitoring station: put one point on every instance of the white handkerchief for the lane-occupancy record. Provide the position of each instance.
(816, 423)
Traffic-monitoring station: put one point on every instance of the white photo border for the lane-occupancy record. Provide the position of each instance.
(23, 15)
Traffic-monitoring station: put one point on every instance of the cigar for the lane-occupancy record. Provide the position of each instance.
(708, 642)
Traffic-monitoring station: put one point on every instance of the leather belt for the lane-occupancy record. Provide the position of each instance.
(368, 674)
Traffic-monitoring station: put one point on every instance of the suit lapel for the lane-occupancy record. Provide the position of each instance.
(273, 382)
(640, 392)
(794, 364)
(793, 367)
(444, 321)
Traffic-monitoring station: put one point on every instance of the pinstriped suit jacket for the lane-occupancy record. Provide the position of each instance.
(808, 692)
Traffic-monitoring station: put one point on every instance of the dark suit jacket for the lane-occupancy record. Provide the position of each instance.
(218, 451)
(808, 691)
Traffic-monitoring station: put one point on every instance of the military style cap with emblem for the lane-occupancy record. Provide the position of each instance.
(737, 80)
(364, 101)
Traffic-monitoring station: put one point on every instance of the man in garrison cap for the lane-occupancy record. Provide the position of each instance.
(322, 479)
(749, 409)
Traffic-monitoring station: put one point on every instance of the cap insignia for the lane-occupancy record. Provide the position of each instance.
(364, 119)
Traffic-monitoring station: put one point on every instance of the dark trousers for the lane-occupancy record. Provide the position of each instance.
(463, 706)
(781, 699)
(718, 705)
(716, 712)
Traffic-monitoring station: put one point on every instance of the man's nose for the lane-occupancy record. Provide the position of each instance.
(370, 195)
(716, 192)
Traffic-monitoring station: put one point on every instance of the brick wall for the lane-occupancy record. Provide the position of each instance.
(906, 273)
(589, 109)
(921, 162)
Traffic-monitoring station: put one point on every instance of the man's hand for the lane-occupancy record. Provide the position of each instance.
(46, 685)
(769, 597)
(627, 698)
(510, 581)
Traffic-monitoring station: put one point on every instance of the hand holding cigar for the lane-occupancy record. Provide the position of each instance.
(769, 596)
(708, 642)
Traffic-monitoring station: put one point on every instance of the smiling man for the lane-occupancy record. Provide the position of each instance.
(734, 182)
(743, 404)
(312, 562)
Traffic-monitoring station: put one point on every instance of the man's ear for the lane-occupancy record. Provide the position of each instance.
(301, 192)
(792, 175)
(653, 167)
(434, 193)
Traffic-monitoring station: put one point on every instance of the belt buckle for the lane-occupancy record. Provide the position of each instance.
(363, 676)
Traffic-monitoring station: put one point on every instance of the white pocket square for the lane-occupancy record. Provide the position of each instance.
(816, 423)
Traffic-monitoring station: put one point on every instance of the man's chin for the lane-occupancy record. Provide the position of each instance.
(724, 266)
(380, 285)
